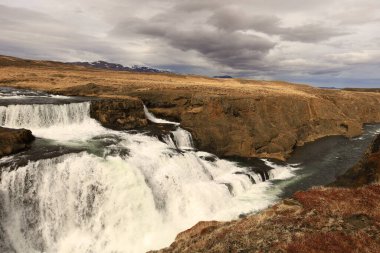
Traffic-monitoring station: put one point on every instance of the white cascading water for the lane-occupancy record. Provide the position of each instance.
(115, 203)
(183, 139)
(152, 118)
(58, 122)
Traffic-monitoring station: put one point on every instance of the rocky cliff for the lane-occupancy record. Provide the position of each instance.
(14, 140)
(268, 125)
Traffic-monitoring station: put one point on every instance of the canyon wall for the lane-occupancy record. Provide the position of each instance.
(270, 125)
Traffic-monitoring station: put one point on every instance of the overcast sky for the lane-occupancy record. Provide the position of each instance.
(322, 42)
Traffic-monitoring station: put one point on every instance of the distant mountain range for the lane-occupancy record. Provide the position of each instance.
(117, 67)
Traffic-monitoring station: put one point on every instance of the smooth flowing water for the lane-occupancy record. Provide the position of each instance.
(85, 188)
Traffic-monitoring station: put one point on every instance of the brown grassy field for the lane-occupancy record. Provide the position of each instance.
(55, 77)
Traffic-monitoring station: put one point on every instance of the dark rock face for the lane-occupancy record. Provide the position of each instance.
(14, 140)
(119, 114)
(366, 171)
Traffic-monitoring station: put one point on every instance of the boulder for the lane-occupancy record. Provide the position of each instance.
(14, 140)
(119, 114)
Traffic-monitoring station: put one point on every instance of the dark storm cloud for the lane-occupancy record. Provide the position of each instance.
(222, 34)
(233, 19)
(310, 33)
(232, 49)
(198, 5)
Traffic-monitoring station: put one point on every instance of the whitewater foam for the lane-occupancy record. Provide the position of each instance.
(134, 197)
(59, 122)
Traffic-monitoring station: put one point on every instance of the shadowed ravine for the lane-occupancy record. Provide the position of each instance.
(82, 187)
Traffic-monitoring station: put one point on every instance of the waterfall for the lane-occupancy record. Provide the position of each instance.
(52, 121)
(135, 196)
(183, 139)
(153, 119)
(44, 115)
(281, 171)
(84, 203)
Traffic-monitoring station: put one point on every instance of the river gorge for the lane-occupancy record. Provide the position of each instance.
(82, 187)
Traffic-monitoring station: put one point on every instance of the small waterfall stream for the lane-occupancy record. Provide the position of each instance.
(179, 138)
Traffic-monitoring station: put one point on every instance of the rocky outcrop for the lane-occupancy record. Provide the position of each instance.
(120, 114)
(14, 140)
(366, 171)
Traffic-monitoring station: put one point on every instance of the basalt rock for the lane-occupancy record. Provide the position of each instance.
(14, 140)
(120, 114)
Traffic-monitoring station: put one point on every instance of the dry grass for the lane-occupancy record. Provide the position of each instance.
(57, 76)
(336, 242)
(342, 201)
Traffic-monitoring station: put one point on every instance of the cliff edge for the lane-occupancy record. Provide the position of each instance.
(227, 117)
